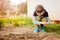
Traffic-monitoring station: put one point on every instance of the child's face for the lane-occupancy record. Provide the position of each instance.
(39, 14)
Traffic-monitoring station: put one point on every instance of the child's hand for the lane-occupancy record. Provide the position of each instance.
(46, 23)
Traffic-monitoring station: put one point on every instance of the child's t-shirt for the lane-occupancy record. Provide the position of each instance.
(38, 20)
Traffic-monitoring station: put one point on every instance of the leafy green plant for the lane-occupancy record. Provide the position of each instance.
(20, 21)
(52, 27)
(3, 21)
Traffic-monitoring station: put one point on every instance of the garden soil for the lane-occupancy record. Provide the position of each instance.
(25, 33)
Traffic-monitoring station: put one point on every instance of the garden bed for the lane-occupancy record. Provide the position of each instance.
(21, 33)
(22, 28)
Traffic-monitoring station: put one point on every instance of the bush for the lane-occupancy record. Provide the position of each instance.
(21, 21)
(17, 21)
(52, 27)
(3, 21)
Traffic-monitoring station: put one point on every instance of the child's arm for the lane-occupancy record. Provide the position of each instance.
(48, 19)
(37, 22)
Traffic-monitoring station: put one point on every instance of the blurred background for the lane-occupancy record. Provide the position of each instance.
(27, 7)
(13, 8)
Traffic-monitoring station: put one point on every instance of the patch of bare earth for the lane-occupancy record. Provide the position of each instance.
(25, 33)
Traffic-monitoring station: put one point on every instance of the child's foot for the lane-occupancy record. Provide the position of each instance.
(36, 30)
(42, 28)
(39, 28)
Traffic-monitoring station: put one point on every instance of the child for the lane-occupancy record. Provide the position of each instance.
(40, 17)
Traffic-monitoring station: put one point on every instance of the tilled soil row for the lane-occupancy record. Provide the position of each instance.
(30, 36)
(26, 34)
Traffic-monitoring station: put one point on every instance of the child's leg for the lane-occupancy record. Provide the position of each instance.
(37, 28)
(42, 27)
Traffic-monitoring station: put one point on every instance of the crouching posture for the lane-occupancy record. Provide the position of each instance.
(40, 17)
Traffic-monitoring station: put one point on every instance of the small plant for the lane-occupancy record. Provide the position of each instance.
(52, 27)
(3, 21)
(0, 24)
(20, 21)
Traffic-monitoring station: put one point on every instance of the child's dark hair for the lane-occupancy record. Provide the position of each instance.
(39, 8)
